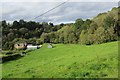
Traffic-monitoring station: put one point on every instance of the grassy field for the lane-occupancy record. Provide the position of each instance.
(66, 61)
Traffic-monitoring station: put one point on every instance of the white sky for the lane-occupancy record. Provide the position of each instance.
(69, 12)
(59, 0)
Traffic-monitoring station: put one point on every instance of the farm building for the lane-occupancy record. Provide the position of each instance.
(31, 47)
(20, 45)
(26, 46)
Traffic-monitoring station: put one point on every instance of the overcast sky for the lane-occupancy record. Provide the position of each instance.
(68, 12)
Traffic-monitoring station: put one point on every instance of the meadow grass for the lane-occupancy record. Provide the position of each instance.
(66, 61)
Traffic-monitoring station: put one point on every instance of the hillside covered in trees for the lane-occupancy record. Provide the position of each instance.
(105, 27)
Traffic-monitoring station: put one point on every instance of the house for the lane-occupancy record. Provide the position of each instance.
(24, 46)
(20, 45)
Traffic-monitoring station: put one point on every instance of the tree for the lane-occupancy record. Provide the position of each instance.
(83, 37)
(23, 31)
(16, 25)
(10, 36)
(62, 24)
(86, 24)
(45, 38)
(79, 23)
(4, 24)
(51, 24)
(72, 38)
(33, 41)
(111, 34)
(100, 35)
(109, 21)
(21, 22)
(93, 26)
(52, 37)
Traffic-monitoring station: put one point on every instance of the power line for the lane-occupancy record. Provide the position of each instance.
(51, 9)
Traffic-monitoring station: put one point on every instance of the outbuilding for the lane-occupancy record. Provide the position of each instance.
(50, 45)
(31, 47)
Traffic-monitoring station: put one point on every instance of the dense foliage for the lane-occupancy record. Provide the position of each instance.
(25, 31)
(103, 28)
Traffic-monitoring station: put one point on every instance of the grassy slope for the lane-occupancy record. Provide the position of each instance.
(66, 61)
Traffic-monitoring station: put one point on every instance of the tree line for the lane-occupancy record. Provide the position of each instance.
(24, 31)
(101, 29)
(105, 27)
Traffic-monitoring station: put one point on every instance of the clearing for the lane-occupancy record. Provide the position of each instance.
(66, 61)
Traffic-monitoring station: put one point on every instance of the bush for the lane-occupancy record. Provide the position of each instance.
(8, 53)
